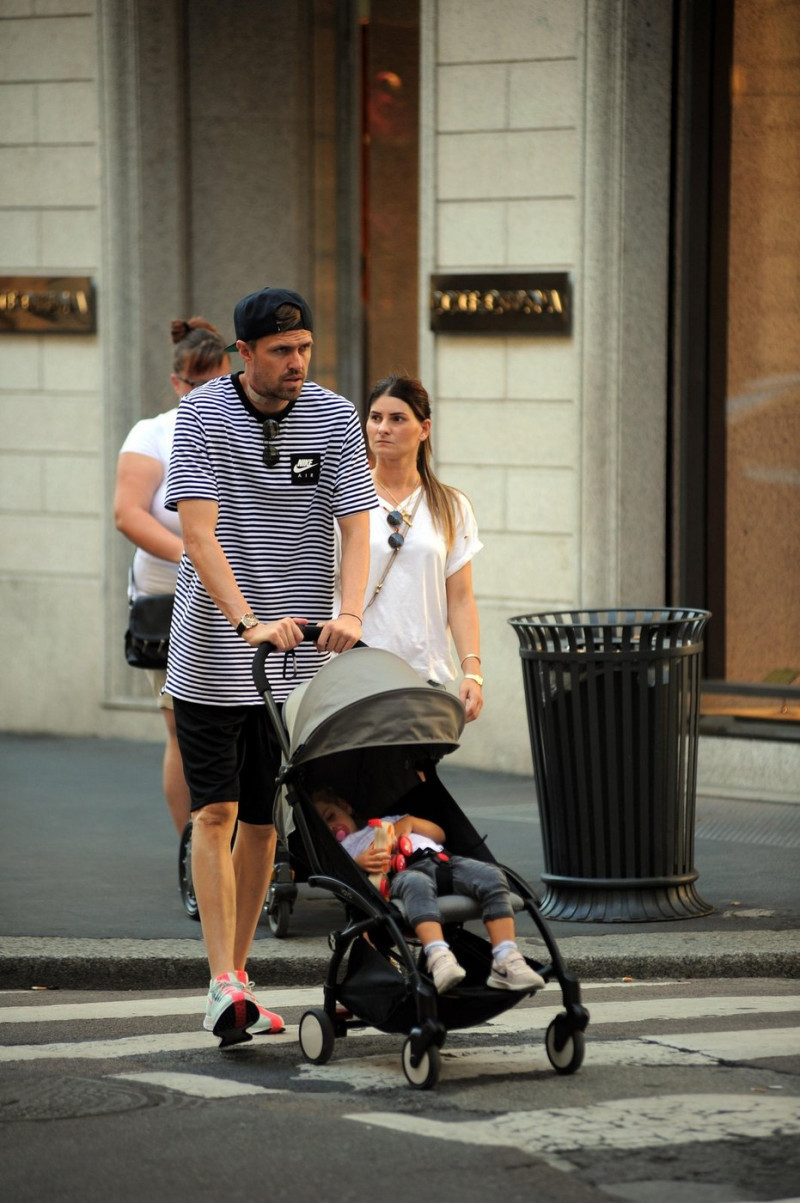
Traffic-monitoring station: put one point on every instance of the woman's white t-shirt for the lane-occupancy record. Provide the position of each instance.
(153, 437)
(409, 615)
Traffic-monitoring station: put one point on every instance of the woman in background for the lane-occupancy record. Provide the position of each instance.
(199, 355)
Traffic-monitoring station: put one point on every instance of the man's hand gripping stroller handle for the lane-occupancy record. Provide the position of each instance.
(311, 633)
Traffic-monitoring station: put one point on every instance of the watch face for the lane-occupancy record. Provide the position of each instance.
(249, 621)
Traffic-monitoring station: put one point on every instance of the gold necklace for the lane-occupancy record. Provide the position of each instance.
(403, 513)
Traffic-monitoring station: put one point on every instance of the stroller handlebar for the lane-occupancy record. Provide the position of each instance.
(311, 633)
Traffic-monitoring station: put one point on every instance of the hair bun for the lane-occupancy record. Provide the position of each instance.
(179, 328)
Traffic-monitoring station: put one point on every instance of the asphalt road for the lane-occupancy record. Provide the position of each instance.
(690, 1091)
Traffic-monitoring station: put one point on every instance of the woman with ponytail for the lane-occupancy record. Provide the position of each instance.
(423, 538)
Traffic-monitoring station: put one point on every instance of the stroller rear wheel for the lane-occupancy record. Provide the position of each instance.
(317, 1036)
(185, 873)
(278, 919)
(281, 897)
(425, 1075)
(565, 1048)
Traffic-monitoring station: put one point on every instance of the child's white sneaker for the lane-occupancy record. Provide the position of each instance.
(514, 973)
(445, 970)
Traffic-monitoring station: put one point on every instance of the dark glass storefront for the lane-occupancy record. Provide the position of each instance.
(735, 530)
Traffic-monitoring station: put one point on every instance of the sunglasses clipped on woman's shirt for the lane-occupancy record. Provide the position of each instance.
(396, 520)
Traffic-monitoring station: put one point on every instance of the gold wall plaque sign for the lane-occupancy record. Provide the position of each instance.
(513, 302)
(47, 305)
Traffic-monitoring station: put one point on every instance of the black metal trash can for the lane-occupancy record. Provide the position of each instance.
(613, 705)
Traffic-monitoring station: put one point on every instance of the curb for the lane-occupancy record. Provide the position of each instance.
(181, 964)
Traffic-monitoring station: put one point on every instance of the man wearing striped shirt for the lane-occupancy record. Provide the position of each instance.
(263, 463)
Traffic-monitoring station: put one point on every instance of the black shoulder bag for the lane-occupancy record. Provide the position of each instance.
(147, 636)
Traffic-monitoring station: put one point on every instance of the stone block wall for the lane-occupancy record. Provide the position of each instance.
(506, 94)
(51, 468)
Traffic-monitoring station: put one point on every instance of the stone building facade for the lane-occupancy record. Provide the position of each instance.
(180, 158)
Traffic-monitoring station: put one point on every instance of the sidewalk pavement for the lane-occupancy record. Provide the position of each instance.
(89, 884)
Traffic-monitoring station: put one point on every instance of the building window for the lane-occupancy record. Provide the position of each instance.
(366, 192)
(390, 187)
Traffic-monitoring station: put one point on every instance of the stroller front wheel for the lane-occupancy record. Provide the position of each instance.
(317, 1036)
(425, 1075)
(565, 1049)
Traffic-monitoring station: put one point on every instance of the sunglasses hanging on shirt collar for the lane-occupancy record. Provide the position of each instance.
(270, 429)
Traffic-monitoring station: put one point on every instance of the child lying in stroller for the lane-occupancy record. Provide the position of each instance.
(416, 886)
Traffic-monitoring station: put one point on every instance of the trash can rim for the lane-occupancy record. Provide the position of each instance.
(610, 631)
(623, 617)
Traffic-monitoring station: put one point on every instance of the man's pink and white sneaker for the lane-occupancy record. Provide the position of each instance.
(234, 1014)
(268, 1023)
(230, 1010)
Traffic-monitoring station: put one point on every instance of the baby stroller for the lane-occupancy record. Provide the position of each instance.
(367, 726)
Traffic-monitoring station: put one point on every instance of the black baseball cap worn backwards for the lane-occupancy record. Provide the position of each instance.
(254, 316)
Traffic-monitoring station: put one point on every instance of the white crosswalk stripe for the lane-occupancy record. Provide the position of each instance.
(680, 1050)
(630, 1123)
(627, 1010)
(144, 1007)
(124, 1046)
(688, 1048)
(200, 1086)
(638, 1010)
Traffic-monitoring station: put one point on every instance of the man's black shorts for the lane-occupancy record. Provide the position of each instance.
(230, 754)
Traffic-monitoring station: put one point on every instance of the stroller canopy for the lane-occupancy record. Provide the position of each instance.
(361, 726)
(369, 698)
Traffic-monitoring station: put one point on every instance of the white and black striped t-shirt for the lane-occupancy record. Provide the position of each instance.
(275, 526)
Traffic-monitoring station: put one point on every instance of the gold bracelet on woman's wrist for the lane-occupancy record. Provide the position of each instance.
(470, 656)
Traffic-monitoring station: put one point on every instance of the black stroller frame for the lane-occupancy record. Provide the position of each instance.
(368, 727)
